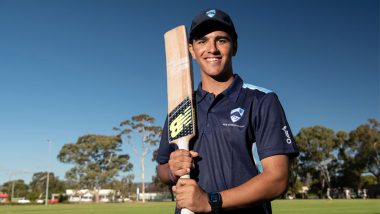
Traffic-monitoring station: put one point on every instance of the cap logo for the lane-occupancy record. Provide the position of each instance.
(236, 114)
(211, 13)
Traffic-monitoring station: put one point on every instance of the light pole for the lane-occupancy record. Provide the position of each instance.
(12, 173)
(13, 190)
(47, 176)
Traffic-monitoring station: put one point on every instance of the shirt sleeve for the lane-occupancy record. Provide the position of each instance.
(165, 147)
(272, 131)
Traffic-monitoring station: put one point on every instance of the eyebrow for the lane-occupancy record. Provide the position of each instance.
(223, 37)
(216, 38)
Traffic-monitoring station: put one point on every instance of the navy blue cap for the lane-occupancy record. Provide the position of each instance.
(211, 20)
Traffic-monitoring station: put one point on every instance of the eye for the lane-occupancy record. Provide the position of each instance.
(201, 42)
(223, 41)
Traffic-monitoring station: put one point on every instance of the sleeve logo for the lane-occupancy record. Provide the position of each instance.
(286, 132)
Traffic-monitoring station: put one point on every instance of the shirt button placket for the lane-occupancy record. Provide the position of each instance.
(210, 98)
(207, 124)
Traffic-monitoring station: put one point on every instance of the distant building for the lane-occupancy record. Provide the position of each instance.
(106, 195)
(149, 196)
(3, 197)
(86, 195)
(54, 198)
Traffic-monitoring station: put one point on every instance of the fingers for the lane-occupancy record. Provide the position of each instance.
(189, 195)
(186, 182)
(179, 167)
(184, 153)
(194, 154)
(181, 161)
(184, 188)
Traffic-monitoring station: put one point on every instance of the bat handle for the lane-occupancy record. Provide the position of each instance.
(186, 211)
(184, 145)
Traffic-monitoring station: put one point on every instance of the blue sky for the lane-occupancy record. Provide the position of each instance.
(75, 67)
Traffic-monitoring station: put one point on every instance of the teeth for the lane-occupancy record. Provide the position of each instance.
(212, 59)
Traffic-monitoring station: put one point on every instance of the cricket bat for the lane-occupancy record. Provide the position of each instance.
(181, 112)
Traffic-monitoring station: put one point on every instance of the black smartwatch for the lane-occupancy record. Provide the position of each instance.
(215, 201)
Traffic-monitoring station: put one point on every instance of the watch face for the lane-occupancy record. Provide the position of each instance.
(214, 197)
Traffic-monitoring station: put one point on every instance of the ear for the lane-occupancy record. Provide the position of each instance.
(191, 50)
(235, 46)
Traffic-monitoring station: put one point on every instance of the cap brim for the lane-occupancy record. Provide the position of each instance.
(209, 26)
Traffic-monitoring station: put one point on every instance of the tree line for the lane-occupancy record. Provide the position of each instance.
(328, 160)
(337, 160)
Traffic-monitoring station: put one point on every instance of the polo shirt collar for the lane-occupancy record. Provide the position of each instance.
(232, 92)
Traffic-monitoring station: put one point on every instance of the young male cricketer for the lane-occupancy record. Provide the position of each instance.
(232, 116)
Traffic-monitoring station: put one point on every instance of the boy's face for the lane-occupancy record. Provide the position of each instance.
(213, 52)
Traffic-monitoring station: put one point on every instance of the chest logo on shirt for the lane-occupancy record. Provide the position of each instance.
(236, 114)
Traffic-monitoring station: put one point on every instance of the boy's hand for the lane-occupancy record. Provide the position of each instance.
(181, 162)
(189, 195)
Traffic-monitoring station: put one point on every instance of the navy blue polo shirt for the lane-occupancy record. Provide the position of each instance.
(228, 125)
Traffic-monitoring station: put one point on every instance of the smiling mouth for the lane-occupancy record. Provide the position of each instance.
(213, 59)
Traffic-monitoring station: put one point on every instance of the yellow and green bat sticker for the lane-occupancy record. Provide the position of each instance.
(181, 120)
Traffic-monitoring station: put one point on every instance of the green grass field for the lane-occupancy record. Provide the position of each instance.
(359, 206)
(336, 206)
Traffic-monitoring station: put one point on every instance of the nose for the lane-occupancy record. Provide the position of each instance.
(212, 47)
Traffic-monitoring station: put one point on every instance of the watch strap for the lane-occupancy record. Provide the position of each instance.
(215, 201)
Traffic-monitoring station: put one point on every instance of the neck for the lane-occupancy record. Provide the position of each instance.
(216, 85)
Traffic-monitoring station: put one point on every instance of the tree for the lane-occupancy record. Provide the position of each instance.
(124, 186)
(349, 171)
(38, 184)
(16, 189)
(97, 160)
(157, 181)
(294, 183)
(316, 146)
(366, 139)
(149, 137)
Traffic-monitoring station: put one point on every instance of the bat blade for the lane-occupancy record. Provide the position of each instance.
(181, 121)
(181, 113)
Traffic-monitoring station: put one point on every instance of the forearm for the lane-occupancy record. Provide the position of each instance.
(163, 173)
(267, 186)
